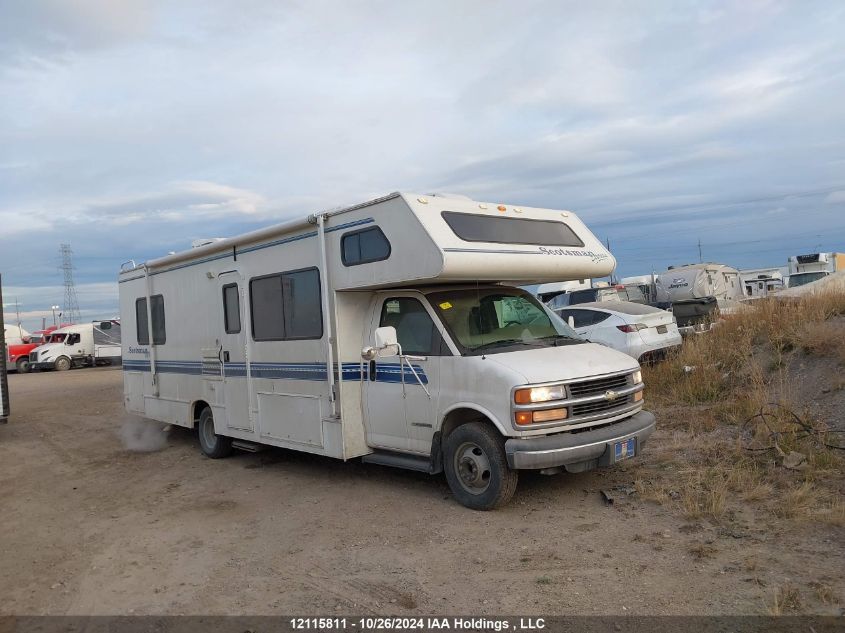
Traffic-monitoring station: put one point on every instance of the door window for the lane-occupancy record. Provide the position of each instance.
(415, 329)
(231, 309)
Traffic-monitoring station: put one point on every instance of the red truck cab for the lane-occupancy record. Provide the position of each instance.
(18, 355)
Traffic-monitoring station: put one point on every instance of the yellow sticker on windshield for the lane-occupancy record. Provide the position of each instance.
(445, 305)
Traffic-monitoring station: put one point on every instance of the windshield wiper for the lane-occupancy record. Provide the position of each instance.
(562, 339)
(502, 343)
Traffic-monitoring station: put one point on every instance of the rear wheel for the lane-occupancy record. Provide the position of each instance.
(62, 363)
(477, 468)
(22, 365)
(212, 445)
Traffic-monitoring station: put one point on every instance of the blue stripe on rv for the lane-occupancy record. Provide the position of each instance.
(385, 372)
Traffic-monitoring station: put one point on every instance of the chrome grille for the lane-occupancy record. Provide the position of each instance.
(598, 386)
(599, 406)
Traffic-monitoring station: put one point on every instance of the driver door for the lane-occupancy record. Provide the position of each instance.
(401, 393)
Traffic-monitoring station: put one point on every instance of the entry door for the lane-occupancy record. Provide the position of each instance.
(233, 350)
(402, 407)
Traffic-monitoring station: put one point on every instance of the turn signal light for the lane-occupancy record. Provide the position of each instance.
(524, 417)
(638, 396)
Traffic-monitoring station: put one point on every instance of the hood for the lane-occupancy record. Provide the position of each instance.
(48, 349)
(568, 362)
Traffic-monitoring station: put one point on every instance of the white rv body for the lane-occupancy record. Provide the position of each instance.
(15, 334)
(85, 344)
(695, 281)
(761, 282)
(265, 333)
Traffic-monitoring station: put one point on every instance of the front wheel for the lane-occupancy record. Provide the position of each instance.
(22, 365)
(476, 467)
(212, 445)
(62, 363)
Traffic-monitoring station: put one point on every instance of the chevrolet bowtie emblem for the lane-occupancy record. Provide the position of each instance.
(610, 395)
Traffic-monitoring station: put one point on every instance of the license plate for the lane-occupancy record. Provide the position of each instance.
(625, 449)
(662, 329)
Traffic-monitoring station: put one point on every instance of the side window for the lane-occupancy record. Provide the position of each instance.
(363, 247)
(302, 304)
(415, 330)
(598, 317)
(265, 295)
(157, 310)
(73, 339)
(286, 306)
(582, 318)
(231, 309)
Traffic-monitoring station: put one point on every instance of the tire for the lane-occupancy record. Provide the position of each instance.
(62, 363)
(212, 445)
(22, 366)
(476, 467)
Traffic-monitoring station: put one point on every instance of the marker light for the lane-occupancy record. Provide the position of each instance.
(550, 415)
(539, 394)
(638, 397)
(502, 208)
(523, 417)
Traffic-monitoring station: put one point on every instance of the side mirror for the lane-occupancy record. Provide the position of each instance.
(571, 322)
(387, 343)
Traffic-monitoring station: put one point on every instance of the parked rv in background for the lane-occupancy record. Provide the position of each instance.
(83, 345)
(699, 293)
(805, 269)
(15, 334)
(646, 285)
(4, 383)
(761, 282)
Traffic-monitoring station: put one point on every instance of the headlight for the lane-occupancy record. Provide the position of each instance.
(539, 394)
(637, 376)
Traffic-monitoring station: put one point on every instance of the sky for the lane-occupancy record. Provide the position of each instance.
(128, 129)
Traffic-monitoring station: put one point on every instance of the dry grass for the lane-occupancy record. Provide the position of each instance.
(717, 452)
(786, 599)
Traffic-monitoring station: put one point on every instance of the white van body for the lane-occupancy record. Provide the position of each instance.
(81, 345)
(15, 334)
(287, 337)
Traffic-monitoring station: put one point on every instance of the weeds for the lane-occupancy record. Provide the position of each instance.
(786, 599)
(732, 434)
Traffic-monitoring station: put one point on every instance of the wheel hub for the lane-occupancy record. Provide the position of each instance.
(473, 467)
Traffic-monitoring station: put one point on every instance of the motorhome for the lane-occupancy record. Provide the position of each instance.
(393, 331)
(82, 345)
(4, 381)
(805, 269)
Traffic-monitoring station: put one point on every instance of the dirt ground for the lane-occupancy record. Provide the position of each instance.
(90, 527)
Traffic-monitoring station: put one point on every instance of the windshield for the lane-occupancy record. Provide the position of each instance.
(58, 338)
(490, 320)
(800, 279)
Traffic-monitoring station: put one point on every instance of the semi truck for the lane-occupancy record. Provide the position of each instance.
(805, 269)
(82, 345)
(393, 331)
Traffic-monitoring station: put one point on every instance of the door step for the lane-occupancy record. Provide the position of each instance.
(249, 447)
(399, 460)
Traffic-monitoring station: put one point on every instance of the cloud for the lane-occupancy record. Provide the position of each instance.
(835, 197)
(138, 126)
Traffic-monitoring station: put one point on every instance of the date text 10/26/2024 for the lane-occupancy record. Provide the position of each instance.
(417, 624)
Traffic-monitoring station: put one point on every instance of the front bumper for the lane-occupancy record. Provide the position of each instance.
(42, 365)
(578, 451)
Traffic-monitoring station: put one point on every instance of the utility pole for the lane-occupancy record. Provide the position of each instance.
(18, 311)
(70, 308)
(700, 260)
